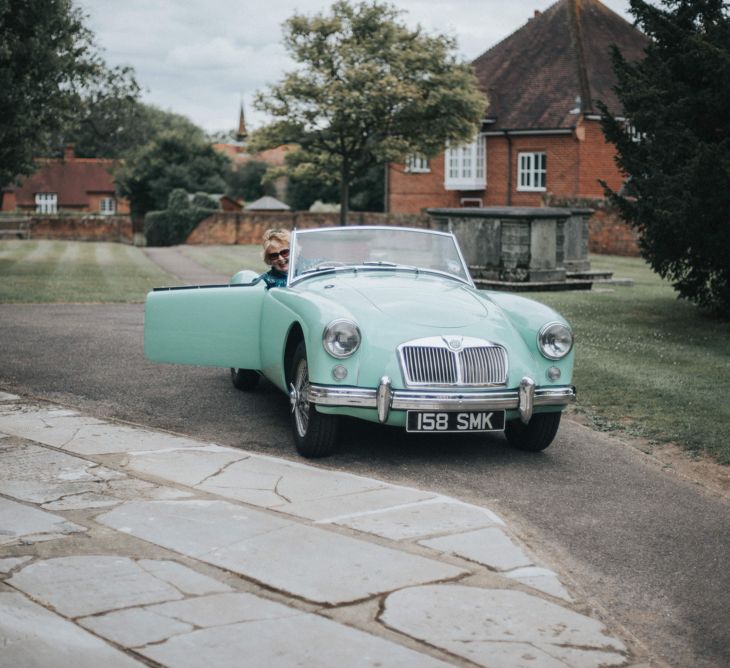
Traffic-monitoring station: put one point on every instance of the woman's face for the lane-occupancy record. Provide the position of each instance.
(277, 255)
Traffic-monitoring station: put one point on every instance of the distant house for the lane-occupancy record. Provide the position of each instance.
(67, 184)
(267, 203)
(541, 135)
(237, 151)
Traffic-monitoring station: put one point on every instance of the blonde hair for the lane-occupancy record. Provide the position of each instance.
(280, 236)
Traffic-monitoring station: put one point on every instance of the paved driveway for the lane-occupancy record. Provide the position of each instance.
(645, 543)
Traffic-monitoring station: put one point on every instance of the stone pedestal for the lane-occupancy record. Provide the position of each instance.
(519, 244)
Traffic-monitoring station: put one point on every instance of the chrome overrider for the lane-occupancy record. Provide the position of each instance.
(385, 398)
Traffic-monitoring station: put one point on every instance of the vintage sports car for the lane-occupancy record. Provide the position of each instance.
(382, 324)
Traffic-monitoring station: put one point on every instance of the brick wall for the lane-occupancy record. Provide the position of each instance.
(82, 228)
(248, 227)
(608, 234)
(596, 162)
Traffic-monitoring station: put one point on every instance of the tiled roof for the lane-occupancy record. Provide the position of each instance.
(72, 180)
(534, 76)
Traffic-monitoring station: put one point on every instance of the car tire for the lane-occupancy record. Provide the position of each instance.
(534, 436)
(245, 379)
(315, 434)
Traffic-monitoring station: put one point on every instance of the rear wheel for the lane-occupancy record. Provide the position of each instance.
(534, 436)
(315, 434)
(245, 379)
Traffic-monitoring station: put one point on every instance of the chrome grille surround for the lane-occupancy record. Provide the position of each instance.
(453, 361)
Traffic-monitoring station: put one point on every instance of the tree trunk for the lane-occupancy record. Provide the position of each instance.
(344, 193)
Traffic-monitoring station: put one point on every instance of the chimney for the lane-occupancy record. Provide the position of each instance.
(68, 153)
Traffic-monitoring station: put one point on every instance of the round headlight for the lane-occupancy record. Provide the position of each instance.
(341, 338)
(555, 340)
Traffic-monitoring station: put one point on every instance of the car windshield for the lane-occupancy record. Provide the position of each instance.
(330, 249)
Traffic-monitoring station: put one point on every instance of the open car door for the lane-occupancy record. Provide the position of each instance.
(216, 325)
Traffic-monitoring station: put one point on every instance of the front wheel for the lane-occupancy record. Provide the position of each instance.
(244, 379)
(534, 436)
(315, 434)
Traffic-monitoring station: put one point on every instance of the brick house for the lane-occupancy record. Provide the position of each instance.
(83, 185)
(541, 136)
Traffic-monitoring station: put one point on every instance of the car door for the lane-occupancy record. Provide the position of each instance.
(205, 325)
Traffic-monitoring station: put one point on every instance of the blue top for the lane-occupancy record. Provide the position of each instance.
(274, 278)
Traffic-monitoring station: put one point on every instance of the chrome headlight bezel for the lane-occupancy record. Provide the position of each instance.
(548, 335)
(332, 338)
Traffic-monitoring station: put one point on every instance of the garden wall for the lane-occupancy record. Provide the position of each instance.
(608, 234)
(248, 227)
(81, 227)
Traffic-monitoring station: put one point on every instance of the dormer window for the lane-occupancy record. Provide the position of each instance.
(465, 166)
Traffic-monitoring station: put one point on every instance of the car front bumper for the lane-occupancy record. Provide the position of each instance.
(385, 398)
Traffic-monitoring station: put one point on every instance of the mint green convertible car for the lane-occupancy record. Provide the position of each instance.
(382, 324)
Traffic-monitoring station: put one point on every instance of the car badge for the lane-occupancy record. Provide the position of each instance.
(454, 342)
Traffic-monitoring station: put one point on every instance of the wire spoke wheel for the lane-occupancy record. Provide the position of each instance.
(315, 433)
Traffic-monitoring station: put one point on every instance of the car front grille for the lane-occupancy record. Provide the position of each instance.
(467, 362)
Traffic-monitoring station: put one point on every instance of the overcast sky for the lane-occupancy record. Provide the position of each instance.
(201, 57)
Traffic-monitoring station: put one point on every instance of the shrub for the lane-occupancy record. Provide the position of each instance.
(173, 225)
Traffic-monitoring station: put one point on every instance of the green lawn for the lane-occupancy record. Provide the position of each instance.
(646, 363)
(76, 271)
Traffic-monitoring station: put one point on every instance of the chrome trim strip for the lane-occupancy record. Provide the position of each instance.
(401, 400)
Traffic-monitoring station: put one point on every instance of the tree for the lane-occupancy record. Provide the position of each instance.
(172, 160)
(368, 90)
(248, 181)
(113, 125)
(48, 67)
(675, 145)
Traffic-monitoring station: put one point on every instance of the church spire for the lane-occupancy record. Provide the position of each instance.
(242, 133)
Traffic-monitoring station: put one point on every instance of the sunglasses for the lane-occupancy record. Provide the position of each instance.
(283, 253)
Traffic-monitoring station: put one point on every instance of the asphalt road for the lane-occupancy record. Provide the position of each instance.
(647, 545)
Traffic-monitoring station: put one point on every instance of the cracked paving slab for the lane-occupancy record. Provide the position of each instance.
(490, 547)
(21, 524)
(287, 487)
(68, 430)
(501, 627)
(33, 636)
(304, 561)
(300, 640)
(59, 481)
(419, 520)
(87, 585)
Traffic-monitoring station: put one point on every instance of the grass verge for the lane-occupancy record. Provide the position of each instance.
(648, 364)
(76, 271)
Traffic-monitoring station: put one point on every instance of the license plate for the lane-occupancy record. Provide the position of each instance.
(445, 422)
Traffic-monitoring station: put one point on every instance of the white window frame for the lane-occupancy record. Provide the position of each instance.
(107, 206)
(46, 202)
(465, 166)
(417, 164)
(531, 171)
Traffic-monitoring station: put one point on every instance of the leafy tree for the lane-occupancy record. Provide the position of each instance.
(112, 125)
(675, 146)
(248, 181)
(49, 66)
(367, 90)
(172, 160)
